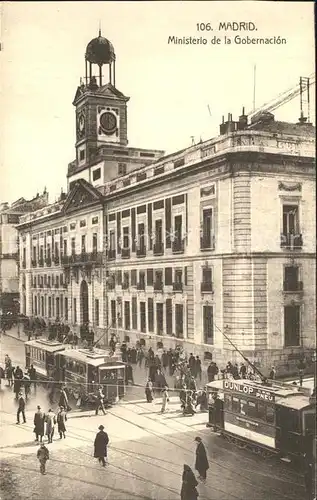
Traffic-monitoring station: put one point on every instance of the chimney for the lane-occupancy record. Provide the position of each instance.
(243, 120)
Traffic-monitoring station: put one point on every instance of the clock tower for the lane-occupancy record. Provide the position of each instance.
(101, 109)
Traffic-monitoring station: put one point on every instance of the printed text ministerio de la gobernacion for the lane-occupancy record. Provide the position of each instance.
(225, 27)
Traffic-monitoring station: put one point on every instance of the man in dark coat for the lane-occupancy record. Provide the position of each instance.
(100, 445)
(61, 419)
(39, 420)
(21, 408)
(201, 464)
(189, 483)
(63, 399)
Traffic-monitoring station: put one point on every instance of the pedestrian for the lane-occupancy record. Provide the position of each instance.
(43, 455)
(32, 375)
(50, 420)
(189, 483)
(27, 385)
(9, 372)
(100, 401)
(243, 371)
(201, 464)
(198, 367)
(61, 419)
(189, 409)
(149, 391)
(165, 399)
(100, 445)
(21, 408)
(192, 364)
(272, 373)
(63, 399)
(39, 420)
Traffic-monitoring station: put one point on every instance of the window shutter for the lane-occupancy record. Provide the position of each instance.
(119, 277)
(185, 275)
(149, 224)
(133, 277)
(149, 276)
(118, 232)
(133, 228)
(168, 221)
(168, 276)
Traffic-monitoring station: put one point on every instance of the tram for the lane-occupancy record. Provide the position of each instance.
(82, 371)
(42, 355)
(268, 418)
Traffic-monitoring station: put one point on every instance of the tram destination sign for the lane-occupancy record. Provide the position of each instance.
(249, 390)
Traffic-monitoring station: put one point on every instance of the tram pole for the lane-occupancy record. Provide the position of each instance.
(263, 378)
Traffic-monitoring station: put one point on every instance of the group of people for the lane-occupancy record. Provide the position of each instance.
(17, 379)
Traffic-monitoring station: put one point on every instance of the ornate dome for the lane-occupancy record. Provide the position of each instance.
(100, 51)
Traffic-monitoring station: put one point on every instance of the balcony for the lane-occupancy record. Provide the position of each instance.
(206, 287)
(111, 254)
(294, 286)
(158, 248)
(33, 285)
(291, 241)
(41, 285)
(207, 243)
(177, 287)
(125, 286)
(125, 253)
(141, 252)
(41, 262)
(23, 264)
(158, 286)
(82, 259)
(56, 260)
(178, 246)
(13, 255)
(33, 263)
(140, 286)
(48, 261)
(64, 285)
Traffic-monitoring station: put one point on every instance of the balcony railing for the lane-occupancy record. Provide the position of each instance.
(41, 262)
(207, 243)
(291, 241)
(178, 246)
(158, 248)
(33, 285)
(23, 264)
(56, 260)
(13, 255)
(48, 261)
(177, 287)
(125, 253)
(140, 286)
(125, 286)
(295, 286)
(41, 285)
(82, 259)
(33, 263)
(141, 252)
(206, 286)
(111, 254)
(158, 286)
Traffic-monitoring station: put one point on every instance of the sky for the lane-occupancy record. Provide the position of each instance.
(170, 86)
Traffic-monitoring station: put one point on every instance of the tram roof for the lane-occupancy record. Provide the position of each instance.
(95, 358)
(297, 402)
(278, 388)
(46, 345)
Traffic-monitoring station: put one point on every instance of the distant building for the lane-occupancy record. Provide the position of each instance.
(9, 246)
(218, 238)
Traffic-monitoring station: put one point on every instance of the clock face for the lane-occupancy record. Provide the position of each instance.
(81, 123)
(108, 122)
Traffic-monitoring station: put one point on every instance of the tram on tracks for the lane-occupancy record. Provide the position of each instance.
(81, 371)
(268, 418)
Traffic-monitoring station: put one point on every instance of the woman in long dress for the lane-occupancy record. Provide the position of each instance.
(149, 391)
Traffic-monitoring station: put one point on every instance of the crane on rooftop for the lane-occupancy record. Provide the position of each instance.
(302, 89)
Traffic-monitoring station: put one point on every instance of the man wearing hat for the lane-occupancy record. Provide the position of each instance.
(21, 408)
(100, 445)
(39, 420)
(201, 464)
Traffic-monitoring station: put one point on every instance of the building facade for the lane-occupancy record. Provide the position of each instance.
(9, 248)
(211, 243)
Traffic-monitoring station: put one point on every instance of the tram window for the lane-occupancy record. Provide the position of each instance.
(227, 401)
(252, 411)
(243, 407)
(270, 414)
(235, 405)
(261, 413)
